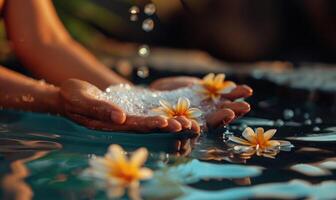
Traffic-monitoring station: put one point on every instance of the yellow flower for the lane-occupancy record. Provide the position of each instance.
(119, 172)
(213, 86)
(182, 108)
(259, 143)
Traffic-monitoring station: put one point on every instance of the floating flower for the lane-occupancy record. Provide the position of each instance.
(213, 86)
(182, 108)
(119, 172)
(259, 143)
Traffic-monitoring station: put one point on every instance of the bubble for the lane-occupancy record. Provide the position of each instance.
(144, 50)
(148, 25)
(134, 18)
(318, 120)
(279, 122)
(288, 114)
(134, 10)
(143, 72)
(149, 9)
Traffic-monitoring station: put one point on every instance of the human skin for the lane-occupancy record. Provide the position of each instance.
(41, 42)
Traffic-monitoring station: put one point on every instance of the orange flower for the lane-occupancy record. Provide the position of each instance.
(259, 143)
(182, 108)
(118, 171)
(213, 86)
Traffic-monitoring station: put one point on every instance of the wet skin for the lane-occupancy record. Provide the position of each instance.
(82, 94)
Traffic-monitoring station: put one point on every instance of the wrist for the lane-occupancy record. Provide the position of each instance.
(51, 100)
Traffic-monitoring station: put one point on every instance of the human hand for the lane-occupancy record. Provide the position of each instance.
(227, 110)
(81, 103)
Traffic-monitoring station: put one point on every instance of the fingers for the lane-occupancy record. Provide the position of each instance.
(185, 122)
(173, 126)
(182, 123)
(195, 127)
(133, 123)
(220, 116)
(239, 108)
(241, 91)
(83, 98)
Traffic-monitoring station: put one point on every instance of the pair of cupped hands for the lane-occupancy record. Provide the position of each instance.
(80, 102)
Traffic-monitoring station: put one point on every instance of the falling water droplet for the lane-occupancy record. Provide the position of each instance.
(144, 50)
(134, 18)
(143, 72)
(148, 25)
(288, 114)
(306, 115)
(318, 120)
(149, 9)
(134, 10)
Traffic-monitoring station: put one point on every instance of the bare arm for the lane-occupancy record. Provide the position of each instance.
(45, 47)
(23, 93)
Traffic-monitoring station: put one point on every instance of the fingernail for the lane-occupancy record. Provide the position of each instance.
(118, 117)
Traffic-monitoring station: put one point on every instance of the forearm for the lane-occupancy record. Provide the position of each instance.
(45, 47)
(23, 93)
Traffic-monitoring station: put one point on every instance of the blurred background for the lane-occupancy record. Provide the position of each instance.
(231, 30)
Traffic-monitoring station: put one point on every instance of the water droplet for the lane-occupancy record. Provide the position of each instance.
(288, 114)
(306, 115)
(316, 128)
(149, 9)
(144, 50)
(134, 10)
(318, 120)
(27, 98)
(134, 18)
(148, 25)
(279, 122)
(307, 122)
(143, 72)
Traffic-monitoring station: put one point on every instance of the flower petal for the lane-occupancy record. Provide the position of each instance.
(260, 135)
(227, 87)
(238, 140)
(166, 105)
(115, 191)
(208, 77)
(145, 173)
(219, 78)
(182, 105)
(139, 157)
(269, 134)
(272, 144)
(250, 135)
(116, 153)
(194, 113)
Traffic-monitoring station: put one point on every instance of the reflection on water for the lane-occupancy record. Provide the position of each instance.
(13, 184)
(186, 168)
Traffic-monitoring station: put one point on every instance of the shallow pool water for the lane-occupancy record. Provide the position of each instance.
(43, 156)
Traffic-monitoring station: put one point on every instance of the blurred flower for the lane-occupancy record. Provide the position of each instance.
(119, 172)
(259, 143)
(213, 86)
(182, 108)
